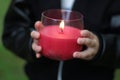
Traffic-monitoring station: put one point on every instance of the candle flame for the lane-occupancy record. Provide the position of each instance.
(62, 25)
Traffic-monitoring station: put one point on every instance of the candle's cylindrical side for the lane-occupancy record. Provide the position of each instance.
(59, 46)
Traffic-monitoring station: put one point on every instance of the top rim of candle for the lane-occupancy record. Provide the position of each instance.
(62, 10)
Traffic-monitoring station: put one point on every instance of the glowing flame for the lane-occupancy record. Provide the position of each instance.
(62, 24)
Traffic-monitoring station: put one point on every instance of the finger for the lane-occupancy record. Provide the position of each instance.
(38, 55)
(38, 26)
(86, 33)
(35, 41)
(36, 48)
(86, 41)
(35, 34)
(85, 55)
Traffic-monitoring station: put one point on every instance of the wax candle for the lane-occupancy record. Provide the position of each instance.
(59, 45)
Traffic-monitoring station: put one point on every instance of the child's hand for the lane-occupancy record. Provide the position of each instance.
(36, 35)
(91, 41)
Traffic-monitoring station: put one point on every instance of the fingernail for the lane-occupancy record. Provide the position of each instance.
(78, 40)
(74, 54)
(37, 55)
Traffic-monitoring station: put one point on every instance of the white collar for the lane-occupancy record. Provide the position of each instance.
(67, 4)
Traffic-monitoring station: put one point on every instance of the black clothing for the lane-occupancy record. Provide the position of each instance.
(19, 22)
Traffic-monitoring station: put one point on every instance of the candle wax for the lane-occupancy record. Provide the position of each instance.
(57, 44)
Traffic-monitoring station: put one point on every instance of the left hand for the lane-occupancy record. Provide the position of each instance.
(91, 41)
(35, 36)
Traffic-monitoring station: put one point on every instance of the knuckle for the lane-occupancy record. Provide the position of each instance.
(86, 56)
(87, 41)
(32, 33)
(33, 46)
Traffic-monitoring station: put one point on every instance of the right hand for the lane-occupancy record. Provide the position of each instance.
(36, 35)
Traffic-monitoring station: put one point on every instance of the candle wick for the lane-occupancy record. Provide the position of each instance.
(61, 31)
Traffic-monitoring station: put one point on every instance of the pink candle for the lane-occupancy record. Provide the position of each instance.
(57, 44)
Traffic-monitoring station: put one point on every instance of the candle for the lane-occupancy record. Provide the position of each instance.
(58, 43)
